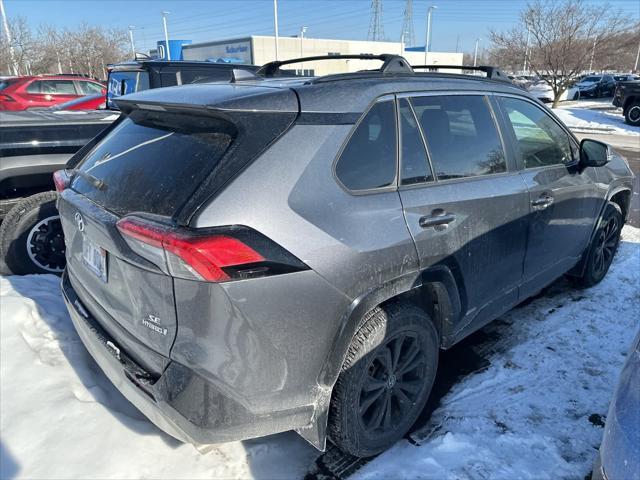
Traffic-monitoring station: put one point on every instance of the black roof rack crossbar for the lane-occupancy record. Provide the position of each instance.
(493, 73)
(391, 63)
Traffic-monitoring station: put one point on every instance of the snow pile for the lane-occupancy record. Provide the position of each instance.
(535, 411)
(590, 119)
(60, 417)
(554, 366)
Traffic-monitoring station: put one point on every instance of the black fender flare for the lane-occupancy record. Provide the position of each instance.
(440, 274)
(578, 269)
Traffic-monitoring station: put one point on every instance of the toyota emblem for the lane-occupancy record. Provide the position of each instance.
(79, 221)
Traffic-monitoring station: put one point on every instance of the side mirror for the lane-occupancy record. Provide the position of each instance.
(594, 153)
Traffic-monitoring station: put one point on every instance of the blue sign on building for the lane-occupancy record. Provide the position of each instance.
(175, 49)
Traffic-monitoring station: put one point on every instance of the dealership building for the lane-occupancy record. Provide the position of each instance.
(262, 49)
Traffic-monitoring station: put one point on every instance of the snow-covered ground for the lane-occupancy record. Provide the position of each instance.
(532, 412)
(582, 115)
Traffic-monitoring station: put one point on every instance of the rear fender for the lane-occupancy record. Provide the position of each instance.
(447, 311)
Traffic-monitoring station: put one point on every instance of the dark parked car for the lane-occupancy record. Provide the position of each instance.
(619, 455)
(627, 97)
(144, 73)
(283, 254)
(42, 91)
(625, 77)
(596, 86)
(35, 144)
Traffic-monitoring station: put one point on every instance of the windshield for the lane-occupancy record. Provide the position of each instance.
(153, 161)
(591, 79)
(123, 82)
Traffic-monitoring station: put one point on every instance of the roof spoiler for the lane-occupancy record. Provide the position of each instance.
(493, 73)
(391, 63)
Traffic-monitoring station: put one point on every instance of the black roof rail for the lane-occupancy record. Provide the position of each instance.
(391, 63)
(493, 73)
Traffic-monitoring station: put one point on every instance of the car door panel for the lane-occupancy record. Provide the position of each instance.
(485, 240)
(476, 225)
(563, 199)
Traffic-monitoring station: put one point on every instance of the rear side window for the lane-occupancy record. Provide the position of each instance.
(540, 140)
(5, 83)
(153, 161)
(413, 156)
(88, 88)
(461, 135)
(61, 87)
(369, 159)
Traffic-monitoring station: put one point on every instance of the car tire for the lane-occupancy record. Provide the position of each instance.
(31, 239)
(603, 247)
(632, 114)
(385, 380)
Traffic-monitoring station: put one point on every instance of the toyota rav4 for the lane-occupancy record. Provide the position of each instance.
(277, 254)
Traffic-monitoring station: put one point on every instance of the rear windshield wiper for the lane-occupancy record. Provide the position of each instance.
(93, 181)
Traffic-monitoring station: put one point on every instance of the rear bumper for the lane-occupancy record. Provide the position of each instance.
(179, 402)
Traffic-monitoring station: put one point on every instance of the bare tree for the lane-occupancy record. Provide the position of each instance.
(23, 44)
(85, 49)
(563, 38)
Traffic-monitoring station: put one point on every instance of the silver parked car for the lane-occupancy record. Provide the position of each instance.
(292, 253)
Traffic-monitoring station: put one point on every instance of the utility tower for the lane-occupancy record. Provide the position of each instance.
(376, 30)
(407, 25)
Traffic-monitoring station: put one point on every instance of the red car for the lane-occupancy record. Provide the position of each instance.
(22, 93)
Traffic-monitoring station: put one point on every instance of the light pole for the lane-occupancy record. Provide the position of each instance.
(635, 67)
(593, 52)
(166, 34)
(275, 24)
(7, 33)
(526, 51)
(303, 29)
(475, 55)
(427, 42)
(133, 47)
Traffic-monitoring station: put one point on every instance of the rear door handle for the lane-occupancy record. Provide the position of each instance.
(438, 217)
(542, 202)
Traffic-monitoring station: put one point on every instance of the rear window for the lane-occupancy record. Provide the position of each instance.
(153, 162)
(6, 82)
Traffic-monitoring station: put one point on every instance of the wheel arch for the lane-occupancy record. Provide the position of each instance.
(622, 198)
(616, 196)
(436, 290)
(630, 100)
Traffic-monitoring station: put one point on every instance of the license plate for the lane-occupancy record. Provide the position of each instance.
(94, 258)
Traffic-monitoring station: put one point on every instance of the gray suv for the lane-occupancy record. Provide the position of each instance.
(292, 253)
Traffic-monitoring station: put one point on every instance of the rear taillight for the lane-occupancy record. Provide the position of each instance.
(6, 98)
(213, 255)
(61, 180)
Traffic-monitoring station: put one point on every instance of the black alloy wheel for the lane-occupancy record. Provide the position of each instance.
(606, 244)
(393, 382)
